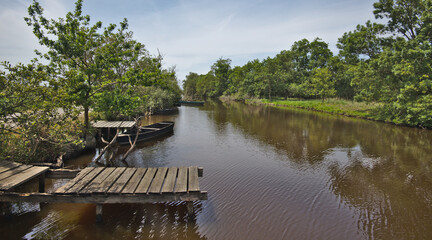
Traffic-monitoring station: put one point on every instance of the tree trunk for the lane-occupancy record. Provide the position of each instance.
(107, 146)
(86, 118)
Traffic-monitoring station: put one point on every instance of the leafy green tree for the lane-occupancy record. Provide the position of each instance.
(36, 121)
(207, 85)
(404, 16)
(366, 41)
(236, 78)
(320, 54)
(221, 69)
(87, 60)
(322, 84)
(286, 73)
(190, 85)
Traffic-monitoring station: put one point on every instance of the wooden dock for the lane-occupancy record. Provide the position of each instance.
(113, 124)
(101, 185)
(14, 174)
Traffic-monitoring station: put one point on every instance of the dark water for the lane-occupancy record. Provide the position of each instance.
(270, 174)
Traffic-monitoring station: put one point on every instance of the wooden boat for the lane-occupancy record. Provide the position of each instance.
(146, 133)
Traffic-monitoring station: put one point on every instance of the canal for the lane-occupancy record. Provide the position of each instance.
(270, 174)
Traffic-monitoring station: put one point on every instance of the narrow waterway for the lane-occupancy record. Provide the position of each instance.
(270, 174)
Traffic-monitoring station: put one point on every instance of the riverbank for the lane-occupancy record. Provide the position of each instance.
(370, 111)
(334, 106)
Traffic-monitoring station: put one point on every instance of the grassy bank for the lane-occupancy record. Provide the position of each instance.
(333, 106)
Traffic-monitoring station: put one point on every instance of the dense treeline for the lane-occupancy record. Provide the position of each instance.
(91, 71)
(388, 63)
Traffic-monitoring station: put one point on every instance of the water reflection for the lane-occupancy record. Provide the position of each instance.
(145, 154)
(128, 221)
(271, 174)
(383, 171)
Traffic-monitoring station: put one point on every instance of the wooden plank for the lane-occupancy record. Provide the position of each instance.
(158, 180)
(3, 163)
(9, 164)
(97, 181)
(118, 185)
(13, 171)
(181, 185)
(22, 177)
(193, 185)
(72, 182)
(100, 198)
(84, 181)
(169, 184)
(106, 184)
(146, 181)
(134, 181)
(113, 124)
(6, 166)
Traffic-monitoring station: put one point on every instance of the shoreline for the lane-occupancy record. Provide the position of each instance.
(311, 105)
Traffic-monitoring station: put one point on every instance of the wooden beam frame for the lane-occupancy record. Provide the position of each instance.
(61, 173)
(102, 198)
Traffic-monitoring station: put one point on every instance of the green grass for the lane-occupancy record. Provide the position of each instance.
(334, 106)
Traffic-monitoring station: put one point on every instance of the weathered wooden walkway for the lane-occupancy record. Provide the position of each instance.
(102, 185)
(13, 175)
(113, 124)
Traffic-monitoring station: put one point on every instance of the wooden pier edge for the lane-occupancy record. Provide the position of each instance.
(101, 199)
(93, 185)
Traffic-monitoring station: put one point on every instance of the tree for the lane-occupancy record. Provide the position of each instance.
(342, 77)
(322, 84)
(221, 69)
(86, 59)
(320, 54)
(36, 121)
(404, 16)
(190, 85)
(286, 73)
(365, 41)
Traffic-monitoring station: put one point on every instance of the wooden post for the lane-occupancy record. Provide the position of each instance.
(98, 213)
(6, 210)
(42, 183)
(190, 210)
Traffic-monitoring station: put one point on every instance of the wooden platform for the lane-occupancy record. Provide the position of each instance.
(113, 124)
(15, 174)
(101, 185)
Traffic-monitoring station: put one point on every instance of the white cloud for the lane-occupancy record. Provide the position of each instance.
(194, 34)
(17, 42)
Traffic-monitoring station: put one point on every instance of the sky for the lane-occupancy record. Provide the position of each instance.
(193, 34)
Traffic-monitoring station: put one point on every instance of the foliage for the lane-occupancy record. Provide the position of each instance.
(99, 69)
(388, 62)
(404, 16)
(90, 68)
(365, 42)
(322, 83)
(335, 106)
(190, 86)
(36, 121)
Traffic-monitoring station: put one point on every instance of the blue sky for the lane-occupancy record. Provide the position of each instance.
(193, 34)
